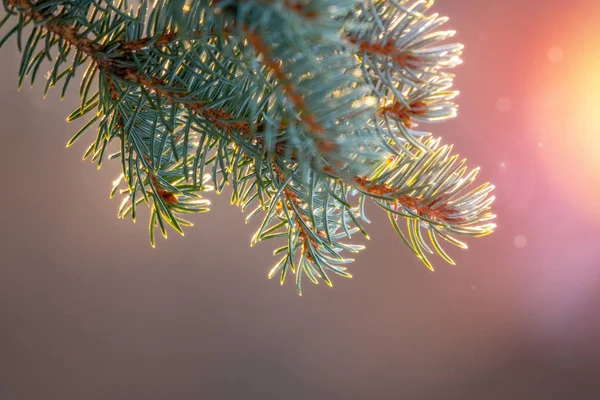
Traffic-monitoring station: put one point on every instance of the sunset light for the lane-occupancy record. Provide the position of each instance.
(565, 119)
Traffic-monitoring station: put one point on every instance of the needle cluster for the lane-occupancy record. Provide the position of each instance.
(306, 108)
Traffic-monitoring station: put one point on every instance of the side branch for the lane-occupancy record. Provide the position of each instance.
(68, 33)
(403, 58)
(277, 67)
(443, 213)
(223, 120)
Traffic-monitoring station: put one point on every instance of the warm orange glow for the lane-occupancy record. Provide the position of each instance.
(566, 118)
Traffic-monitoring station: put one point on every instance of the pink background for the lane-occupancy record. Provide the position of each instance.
(89, 311)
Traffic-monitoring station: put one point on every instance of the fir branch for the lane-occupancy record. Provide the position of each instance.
(307, 108)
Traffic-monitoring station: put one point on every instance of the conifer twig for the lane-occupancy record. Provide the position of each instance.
(306, 108)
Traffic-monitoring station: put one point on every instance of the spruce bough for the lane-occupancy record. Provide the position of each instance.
(307, 109)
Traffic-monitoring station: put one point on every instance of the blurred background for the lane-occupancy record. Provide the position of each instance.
(88, 310)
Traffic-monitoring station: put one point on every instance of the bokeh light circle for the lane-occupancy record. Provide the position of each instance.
(555, 55)
(503, 104)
